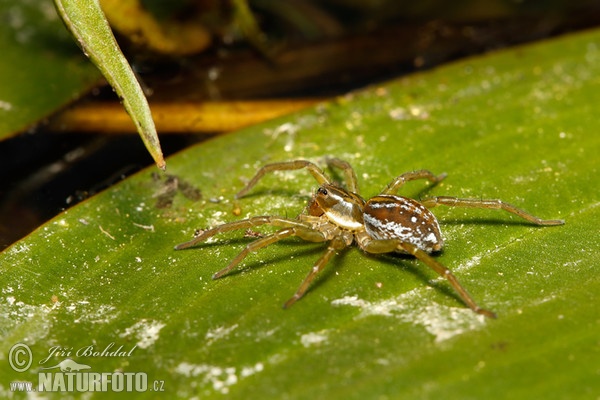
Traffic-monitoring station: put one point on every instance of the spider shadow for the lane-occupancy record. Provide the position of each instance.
(311, 253)
(419, 269)
(486, 222)
(303, 251)
(420, 194)
(279, 192)
(250, 262)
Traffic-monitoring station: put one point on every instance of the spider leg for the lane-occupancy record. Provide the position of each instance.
(255, 246)
(334, 246)
(400, 180)
(446, 273)
(350, 178)
(315, 171)
(242, 224)
(489, 203)
(300, 231)
(375, 246)
(291, 228)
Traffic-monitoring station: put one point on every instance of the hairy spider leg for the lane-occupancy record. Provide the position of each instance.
(334, 245)
(379, 246)
(350, 175)
(490, 204)
(291, 228)
(393, 187)
(242, 224)
(253, 247)
(315, 171)
(302, 232)
(448, 275)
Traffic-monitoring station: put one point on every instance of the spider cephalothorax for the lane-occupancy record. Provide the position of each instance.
(383, 224)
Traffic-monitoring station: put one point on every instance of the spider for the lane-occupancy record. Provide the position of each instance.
(382, 224)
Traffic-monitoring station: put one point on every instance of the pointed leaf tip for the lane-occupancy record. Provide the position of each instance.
(87, 23)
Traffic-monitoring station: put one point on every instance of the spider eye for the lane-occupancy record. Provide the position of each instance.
(322, 191)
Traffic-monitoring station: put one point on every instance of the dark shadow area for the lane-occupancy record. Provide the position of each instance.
(409, 264)
(490, 222)
(297, 248)
(45, 174)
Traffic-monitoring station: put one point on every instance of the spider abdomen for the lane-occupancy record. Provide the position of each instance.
(397, 217)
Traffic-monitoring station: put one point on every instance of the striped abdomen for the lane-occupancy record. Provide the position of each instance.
(397, 217)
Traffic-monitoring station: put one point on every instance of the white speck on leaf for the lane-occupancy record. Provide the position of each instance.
(5, 106)
(220, 378)
(147, 332)
(314, 338)
(218, 333)
(441, 321)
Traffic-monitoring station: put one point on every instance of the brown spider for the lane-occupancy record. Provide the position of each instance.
(383, 224)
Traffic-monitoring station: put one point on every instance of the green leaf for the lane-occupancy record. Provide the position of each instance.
(87, 23)
(520, 125)
(32, 35)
